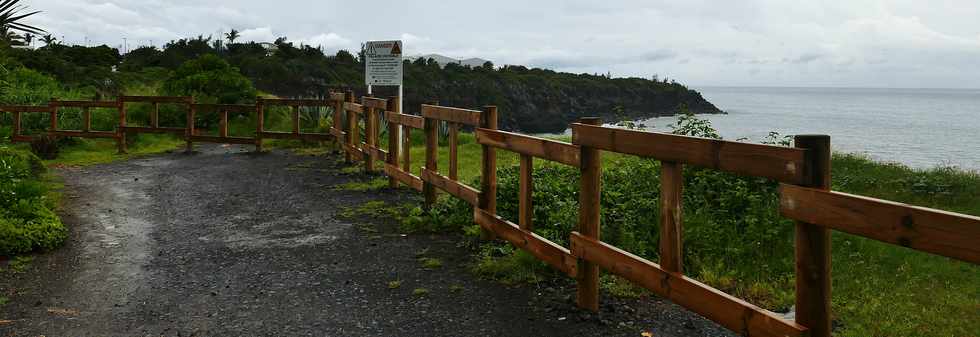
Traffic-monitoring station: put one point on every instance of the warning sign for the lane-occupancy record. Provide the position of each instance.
(383, 63)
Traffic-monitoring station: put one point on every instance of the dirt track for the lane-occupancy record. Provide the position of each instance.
(226, 243)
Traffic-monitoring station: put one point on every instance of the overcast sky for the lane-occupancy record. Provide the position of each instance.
(902, 43)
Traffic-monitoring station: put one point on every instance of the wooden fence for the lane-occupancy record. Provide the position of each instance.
(803, 172)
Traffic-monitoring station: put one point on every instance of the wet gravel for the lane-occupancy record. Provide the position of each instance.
(228, 243)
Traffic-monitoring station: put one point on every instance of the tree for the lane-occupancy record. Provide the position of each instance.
(48, 39)
(210, 80)
(11, 15)
(232, 36)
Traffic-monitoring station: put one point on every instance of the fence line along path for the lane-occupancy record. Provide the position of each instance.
(803, 172)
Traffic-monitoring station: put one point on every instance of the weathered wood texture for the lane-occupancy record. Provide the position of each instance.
(310, 137)
(406, 120)
(488, 169)
(454, 151)
(294, 102)
(554, 255)
(450, 114)
(730, 312)
(526, 188)
(590, 188)
(393, 144)
(404, 177)
(942, 233)
(25, 108)
(671, 228)
(774, 162)
(813, 245)
(156, 99)
(84, 104)
(161, 130)
(547, 149)
(455, 188)
(214, 108)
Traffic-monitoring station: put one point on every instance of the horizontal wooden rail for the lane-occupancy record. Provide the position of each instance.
(782, 164)
(551, 253)
(301, 136)
(294, 102)
(376, 103)
(337, 96)
(24, 108)
(411, 121)
(223, 140)
(146, 129)
(156, 99)
(85, 104)
(224, 107)
(925, 229)
(85, 134)
(409, 179)
(726, 310)
(354, 107)
(450, 114)
(548, 149)
(455, 188)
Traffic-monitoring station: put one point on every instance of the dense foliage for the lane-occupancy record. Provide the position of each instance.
(27, 221)
(210, 80)
(530, 100)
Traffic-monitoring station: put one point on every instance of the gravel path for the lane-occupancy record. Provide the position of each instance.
(227, 243)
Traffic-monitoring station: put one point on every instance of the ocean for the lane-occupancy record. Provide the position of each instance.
(921, 128)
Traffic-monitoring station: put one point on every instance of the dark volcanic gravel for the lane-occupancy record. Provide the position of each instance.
(228, 243)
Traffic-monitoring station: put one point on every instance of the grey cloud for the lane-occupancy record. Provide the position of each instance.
(751, 42)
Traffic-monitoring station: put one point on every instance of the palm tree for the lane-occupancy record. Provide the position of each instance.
(11, 15)
(9, 38)
(232, 36)
(49, 40)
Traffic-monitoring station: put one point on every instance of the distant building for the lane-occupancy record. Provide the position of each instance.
(270, 48)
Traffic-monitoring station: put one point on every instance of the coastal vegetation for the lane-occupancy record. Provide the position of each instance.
(735, 239)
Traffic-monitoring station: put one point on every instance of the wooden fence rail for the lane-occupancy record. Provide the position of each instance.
(803, 171)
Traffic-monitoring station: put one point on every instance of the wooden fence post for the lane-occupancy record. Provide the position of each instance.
(121, 133)
(453, 150)
(370, 135)
(671, 224)
(813, 245)
(526, 212)
(488, 175)
(191, 111)
(54, 114)
(431, 155)
(393, 140)
(223, 132)
(407, 149)
(16, 131)
(86, 119)
(352, 129)
(338, 122)
(155, 115)
(259, 123)
(588, 220)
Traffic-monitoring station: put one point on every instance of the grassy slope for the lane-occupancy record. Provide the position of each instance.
(879, 289)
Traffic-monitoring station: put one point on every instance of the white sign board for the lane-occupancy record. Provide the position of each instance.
(383, 63)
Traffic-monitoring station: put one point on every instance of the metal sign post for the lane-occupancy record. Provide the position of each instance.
(383, 66)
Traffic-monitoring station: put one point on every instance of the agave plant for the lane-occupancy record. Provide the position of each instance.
(11, 14)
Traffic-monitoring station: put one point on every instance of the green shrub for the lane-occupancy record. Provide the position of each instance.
(27, 222)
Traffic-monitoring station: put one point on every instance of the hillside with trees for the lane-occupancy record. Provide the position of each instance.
(530, 99)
